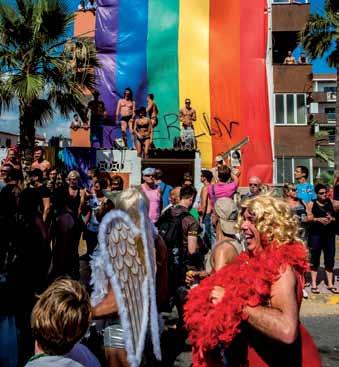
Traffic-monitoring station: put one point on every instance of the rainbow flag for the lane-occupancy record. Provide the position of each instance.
(211, 51)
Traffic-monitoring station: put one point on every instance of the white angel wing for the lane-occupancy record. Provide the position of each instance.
(122, 247)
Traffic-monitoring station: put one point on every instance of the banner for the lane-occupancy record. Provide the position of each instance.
(211, 51)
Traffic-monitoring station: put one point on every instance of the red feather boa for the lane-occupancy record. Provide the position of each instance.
(247, 281)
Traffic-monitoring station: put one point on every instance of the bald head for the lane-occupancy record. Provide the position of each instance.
(254, 184)
(175, 195)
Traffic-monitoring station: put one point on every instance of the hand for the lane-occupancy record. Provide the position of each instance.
(190, 275)
(217, 294)
(323, 221)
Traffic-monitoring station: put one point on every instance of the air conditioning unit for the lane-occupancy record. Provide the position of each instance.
(331, 96)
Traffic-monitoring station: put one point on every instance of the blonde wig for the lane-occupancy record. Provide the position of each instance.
(273, 219)
(129, 201)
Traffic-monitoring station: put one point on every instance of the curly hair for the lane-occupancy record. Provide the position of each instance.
(273, 219)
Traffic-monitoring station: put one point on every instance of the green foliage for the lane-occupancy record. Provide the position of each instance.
(321, 32)
(39, 67)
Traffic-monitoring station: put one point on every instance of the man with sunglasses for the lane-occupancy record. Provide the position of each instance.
(254, 185)
(322, 238)
(153, 193)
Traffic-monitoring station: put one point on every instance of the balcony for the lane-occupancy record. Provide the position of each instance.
(323, 118)
(84, 24)
(289, 17)
(293, 141)
(292, 78)
(323, 97)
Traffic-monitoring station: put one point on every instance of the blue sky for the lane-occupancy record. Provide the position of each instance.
(59, 126)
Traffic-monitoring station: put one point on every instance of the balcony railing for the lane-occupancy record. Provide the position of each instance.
(289, 16)
(322, 97)
(322, 118)
(292, 78)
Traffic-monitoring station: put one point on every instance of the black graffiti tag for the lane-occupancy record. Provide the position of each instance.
(171, 127)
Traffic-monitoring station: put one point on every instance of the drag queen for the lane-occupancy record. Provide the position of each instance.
(250, 309)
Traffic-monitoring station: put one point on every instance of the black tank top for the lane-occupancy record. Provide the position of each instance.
(321, 211)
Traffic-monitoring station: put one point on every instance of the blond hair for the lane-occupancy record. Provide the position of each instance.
(129, 201)
(73, 174)
(273, 219)
(61, 316)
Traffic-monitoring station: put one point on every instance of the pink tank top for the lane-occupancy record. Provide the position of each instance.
(154, 198)
(221, 190)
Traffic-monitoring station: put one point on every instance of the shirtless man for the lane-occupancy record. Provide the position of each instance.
(187, 115)
(126, 111)
(289, 59)
(39, 161)
(152, 109)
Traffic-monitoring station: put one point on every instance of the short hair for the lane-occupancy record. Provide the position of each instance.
(273, 219)
(224, 173)
(187, 177)
(38, 148)
(159, 173)
(60, 318)
(319, 187)
(187, 192)
(304, 170)
(151, 95)
(102, 182)
(207, 174)
(117, 180)
(73, 174)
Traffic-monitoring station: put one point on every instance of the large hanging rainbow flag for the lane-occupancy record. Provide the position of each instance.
(211, 51)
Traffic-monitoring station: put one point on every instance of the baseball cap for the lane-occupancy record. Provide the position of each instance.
(187, 100)
(219, 158)
(225, 207)
(148, 171)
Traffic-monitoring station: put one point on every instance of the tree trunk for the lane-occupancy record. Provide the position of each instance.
(27, 137)
(336, 152)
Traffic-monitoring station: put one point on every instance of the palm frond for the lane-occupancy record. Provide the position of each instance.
(317, 36)
(27, 87)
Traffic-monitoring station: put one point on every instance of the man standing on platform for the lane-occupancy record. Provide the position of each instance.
(96, 113)
(187, 115)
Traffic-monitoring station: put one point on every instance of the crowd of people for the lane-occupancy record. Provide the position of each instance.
(233, 265)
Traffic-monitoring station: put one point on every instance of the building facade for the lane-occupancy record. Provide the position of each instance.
(293, 140)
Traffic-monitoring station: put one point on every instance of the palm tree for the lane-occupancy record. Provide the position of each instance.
(320, 34)
(40, 68)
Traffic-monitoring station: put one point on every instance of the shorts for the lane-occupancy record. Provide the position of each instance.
(126, 118)
(113, 335)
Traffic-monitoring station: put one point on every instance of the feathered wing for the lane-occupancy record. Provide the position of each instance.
(122, 256)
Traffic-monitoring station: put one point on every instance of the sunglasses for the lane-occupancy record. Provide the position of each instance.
(149, 175)
(322, 193)
(253, 184)
(293, 190)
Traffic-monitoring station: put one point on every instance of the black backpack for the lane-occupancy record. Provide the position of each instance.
(170, 229)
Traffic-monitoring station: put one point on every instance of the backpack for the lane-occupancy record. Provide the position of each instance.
(170, 229)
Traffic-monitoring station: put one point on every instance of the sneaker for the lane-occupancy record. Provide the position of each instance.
(305, 294)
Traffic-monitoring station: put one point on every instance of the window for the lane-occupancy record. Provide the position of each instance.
(285, 168)
(290, 109)
(330, 113)
(330, 89)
